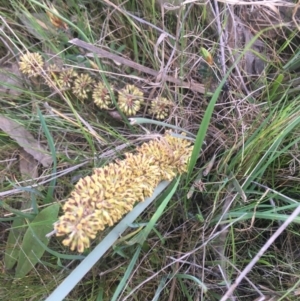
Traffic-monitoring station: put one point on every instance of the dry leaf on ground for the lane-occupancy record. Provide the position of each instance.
(28, 166)
(25, 140)
(29, 171)
(10, 80)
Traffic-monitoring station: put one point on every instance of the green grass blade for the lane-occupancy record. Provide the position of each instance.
(46, 8)
(160, 288)
(193, 278)
(209, 111)
(271, 154)
(52, 184)
(127, 274)
(15, 211)
(139, 120)
(204, 125)
(59, 255)
(14, 239)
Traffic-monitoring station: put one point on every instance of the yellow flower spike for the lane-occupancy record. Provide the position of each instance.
(80, 246)
(130, 100)
(117, 213)
(102, 199)
(94, 225)
(72, 202)
(61, 229)
(147, 171)
(181, 151)
(147, 190)
(74, 212)
(121, 205)
(31, 64)
(65, 226)
(79, 242)
(83, 243)
(67, 241)
(108, 218)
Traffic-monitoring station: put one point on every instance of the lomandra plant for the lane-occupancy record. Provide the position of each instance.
(100, 200)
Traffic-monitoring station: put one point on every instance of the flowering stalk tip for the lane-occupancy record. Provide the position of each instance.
(101, 200)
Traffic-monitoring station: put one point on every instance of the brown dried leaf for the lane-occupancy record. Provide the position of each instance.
(297, 292)
(56, 21)
(28, 166)
(10, 80)
(29, 171)
(25, 140)
(115, 115)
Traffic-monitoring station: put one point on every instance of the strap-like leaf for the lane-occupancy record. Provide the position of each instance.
(31, 251)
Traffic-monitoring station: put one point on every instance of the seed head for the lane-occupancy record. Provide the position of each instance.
(52, 74)
(160, 107)
(66, 78)
(101, 96)
(82, 85)
(31, 64)
(53, 70)
(130, 100)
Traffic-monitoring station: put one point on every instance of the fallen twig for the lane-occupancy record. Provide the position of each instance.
(103, 53)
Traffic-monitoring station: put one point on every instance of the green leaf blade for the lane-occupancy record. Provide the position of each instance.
(12, 248)
(31, 251)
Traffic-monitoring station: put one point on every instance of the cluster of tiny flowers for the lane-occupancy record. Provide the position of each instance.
(66, 78)
(160, 107)
(62, 78)
(101, 96)
(31, 64)
(130, 98)
(100, 200)
(82, 85)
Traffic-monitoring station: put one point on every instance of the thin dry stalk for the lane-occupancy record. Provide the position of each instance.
(103, 53)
